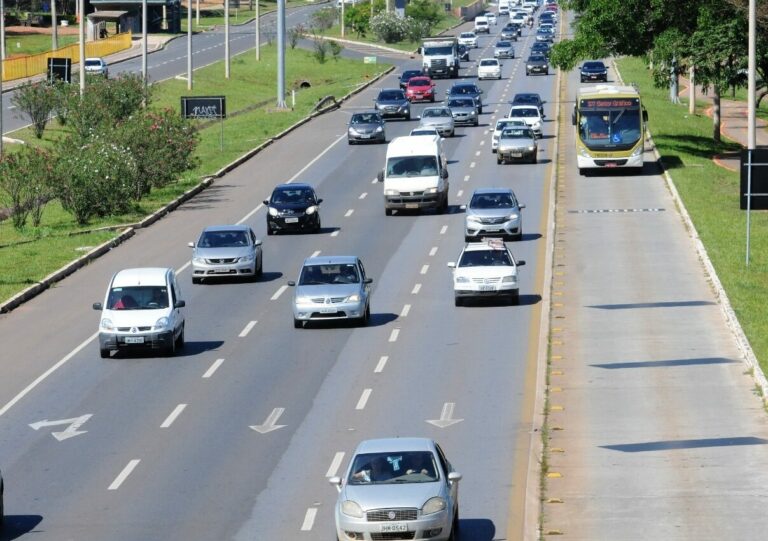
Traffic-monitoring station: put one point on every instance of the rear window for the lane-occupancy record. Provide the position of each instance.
(489, 62)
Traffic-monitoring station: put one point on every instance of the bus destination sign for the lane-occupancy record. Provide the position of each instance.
(609, 103)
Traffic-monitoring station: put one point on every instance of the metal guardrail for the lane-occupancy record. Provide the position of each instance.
(37, 64)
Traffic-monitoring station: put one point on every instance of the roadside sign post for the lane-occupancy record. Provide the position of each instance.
(754, 184)
(206, 108)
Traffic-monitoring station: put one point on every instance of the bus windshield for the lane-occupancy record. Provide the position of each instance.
(610, 127)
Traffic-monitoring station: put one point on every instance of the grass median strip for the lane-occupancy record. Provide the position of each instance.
(711, 195)
(29, 255)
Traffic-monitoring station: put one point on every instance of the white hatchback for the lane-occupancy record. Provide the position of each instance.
(486, 269)
(468, 39)
(530, 114)
(489, 68)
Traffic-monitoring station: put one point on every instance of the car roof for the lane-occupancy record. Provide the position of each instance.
(485, 191)
(330, 260)
(411, 72)
(385, 445)
(142, 276)
(294, 185)
(234, 227)
(489, 244)
(525, 95)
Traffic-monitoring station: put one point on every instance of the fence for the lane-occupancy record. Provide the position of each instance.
(37, 64)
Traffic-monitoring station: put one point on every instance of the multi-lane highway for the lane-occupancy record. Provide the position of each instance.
(235, 437)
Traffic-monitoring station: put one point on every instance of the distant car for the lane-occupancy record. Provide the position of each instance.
(491, 18)
(541, 47)
(439, 119)
(594, 70)
(406, 76)
(517, 143)
(544, 36)
(500, 125)
(96, 66)
(331, 288)
(529, 114)
(493, 212)
(463, 53)
(224, 251)
(464, 111)
(293, 207)
(486, 270)
(392, 102)
(546, 26)
(366, 127)
(420, 88)
(504, 49)
(469, 39)
(509, 32)
(529, 98)
(429, 132)
(467, 90)
(489, 68)
(398, 488)
(537, 63)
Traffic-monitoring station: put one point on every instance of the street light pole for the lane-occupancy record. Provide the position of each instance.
(54, 31)
(258, 37)
(281, 54)
(189, 44)
(81, 50)
(144, 73)
(2, 69)
(226, 39)
(751, 85)
(342, 17)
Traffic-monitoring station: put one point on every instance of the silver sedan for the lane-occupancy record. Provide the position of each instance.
(493, 212)
(517, 143)
(226, 250)
(439, 118)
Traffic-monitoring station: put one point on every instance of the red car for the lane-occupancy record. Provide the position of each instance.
(420, 89)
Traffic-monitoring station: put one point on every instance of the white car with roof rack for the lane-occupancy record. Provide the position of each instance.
(500, 125)
(486, 270)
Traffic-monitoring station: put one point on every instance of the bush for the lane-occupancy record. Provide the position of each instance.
(294, 35)
(65, 95)
(324, 18)
(320, 49)
(418, 29)
(428, 13)
(389, 28)
(336, 49)
(26, 180)
(37, 101)
(357, 18)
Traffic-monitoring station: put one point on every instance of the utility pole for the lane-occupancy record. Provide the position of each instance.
(189, 44)
(144, 73)
(197, 12)
(281, 54)
(751, 85)
(342, 17)
(54, 30)
(226, 39)
(2, 69)
(258, 37)
(2, 31)
(81, 51)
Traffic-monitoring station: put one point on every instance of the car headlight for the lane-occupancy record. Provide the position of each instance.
(354, 298)
(107, 325)
(351, 509)
(462, 280)
(434, 505)
(430, 190)
(531, 149)
(302, 300)
(509, 279)
(247, 258)
(379, 129)
(161, 324)
(584, 153)
(198, 260)
(391, 192)
(353, 131)
(513, 216)
(311, 210)
(638, 151)
(536, 125)
(473, 218)
(529, 66)
(273, 211)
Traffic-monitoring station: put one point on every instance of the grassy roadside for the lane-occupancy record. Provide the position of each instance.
(710, 194)
(28, 256)
(29, 44)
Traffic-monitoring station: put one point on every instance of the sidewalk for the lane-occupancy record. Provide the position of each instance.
(733, 115)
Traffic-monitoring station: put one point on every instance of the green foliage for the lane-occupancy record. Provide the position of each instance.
(65, 95)
(357, 18)
(335, 48)
(427, 12)
(389, 28)
(37, 101)
(320, 48)
(323, 19)
(26, 179)
(294, 35)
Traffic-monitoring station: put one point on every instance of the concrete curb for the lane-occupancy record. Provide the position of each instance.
(45, 283)
(717, 286)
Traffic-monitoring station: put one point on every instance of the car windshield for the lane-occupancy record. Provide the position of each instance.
(525, 112)
(503, 44)
(393, 468)
(492, 201)
(516, 133)
(485, 258)
(295, 196)
(489, 62)
(412, 166)
(408, 74)
(313, 275)
(461, 102)
(467, 35)
(464, 89)
(537, 58)
(438, 50)
(594, 65)
(434, 113)
(138, 298)
(93, 62)
(366, 118)
(222, 239)
(419, 82)
(391, 95)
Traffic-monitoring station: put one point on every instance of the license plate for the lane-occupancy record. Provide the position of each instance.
(365, 136)
(394, 527)
(327, 310)
(492, 228)
(516, 154)
(411, 205)
(610, 164)
(291, 220)
(134, 339)
(487, 288)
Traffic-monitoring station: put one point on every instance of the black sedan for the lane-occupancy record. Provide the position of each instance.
(541, 47)
(594, 70)
(466, 90)
(293, 207)
(537, 63)
(406, 76)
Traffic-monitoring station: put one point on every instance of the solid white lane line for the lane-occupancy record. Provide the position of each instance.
(381, 364)
(183, 267)
(279, 292)
(424, 269)
(416, 289)
(124, 474)
(433, 251)
(316, 253)
(443, 229)
(215, 366)
(349, 213)
(335, 233)
(393, 336)
(363, 399)
(466, 178)
(172, 417)
(362, 195)
(47, 373)
(406, 309)
(248, 216)
(309, 519)
(335, 464)
(247, 329)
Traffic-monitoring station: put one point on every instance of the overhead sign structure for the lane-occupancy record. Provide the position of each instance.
(206, 108)
(59, 69)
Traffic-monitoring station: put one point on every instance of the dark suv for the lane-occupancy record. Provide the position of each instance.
(293, 207)
(594, 71)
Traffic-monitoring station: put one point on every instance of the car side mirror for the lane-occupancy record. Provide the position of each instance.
(451, 264)
(180, 304)
(319, 201)
(521, 207)
(335, 481)
(463, 207)
(258, 241)
(266, 202)
(191, 244)
(380, 176)
(418, 117)
(521, 263)
(291, 283)
(444, 173)
(97, 306)
(368, 281)
(454, 477)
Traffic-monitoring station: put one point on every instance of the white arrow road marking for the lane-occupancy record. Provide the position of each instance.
(69, 432)
(446, 416)
(269, 425)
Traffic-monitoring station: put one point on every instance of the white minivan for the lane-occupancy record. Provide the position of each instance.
(416, 175)
(142, 309)
(482, 24)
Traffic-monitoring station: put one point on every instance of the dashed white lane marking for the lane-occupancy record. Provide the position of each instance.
(363, 399)
(481, 144)
(363, 195)
(424, 269)
(124, 474)
(416, 289)
(393, 336)
(472, 165)
(349, 213)
(381, 364)
(466, 178)
(443, 229)
(374, 181)
(172, 417)
(254, 211)
(335, 464)
(183, 267)
(405, 311)
(279, 292)
(335, 233)
(215, 366)
(316, 253)
(247, 329)
(477, 153)
(433, 251)
(459, 193)
(309, 519)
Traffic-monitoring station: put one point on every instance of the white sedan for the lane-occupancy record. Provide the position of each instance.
(486, 269)
(489, 68)
(530, 114)
(468, 39)
(491, 18)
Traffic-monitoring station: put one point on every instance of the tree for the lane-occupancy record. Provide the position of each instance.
(26, 179)
(37, 101)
